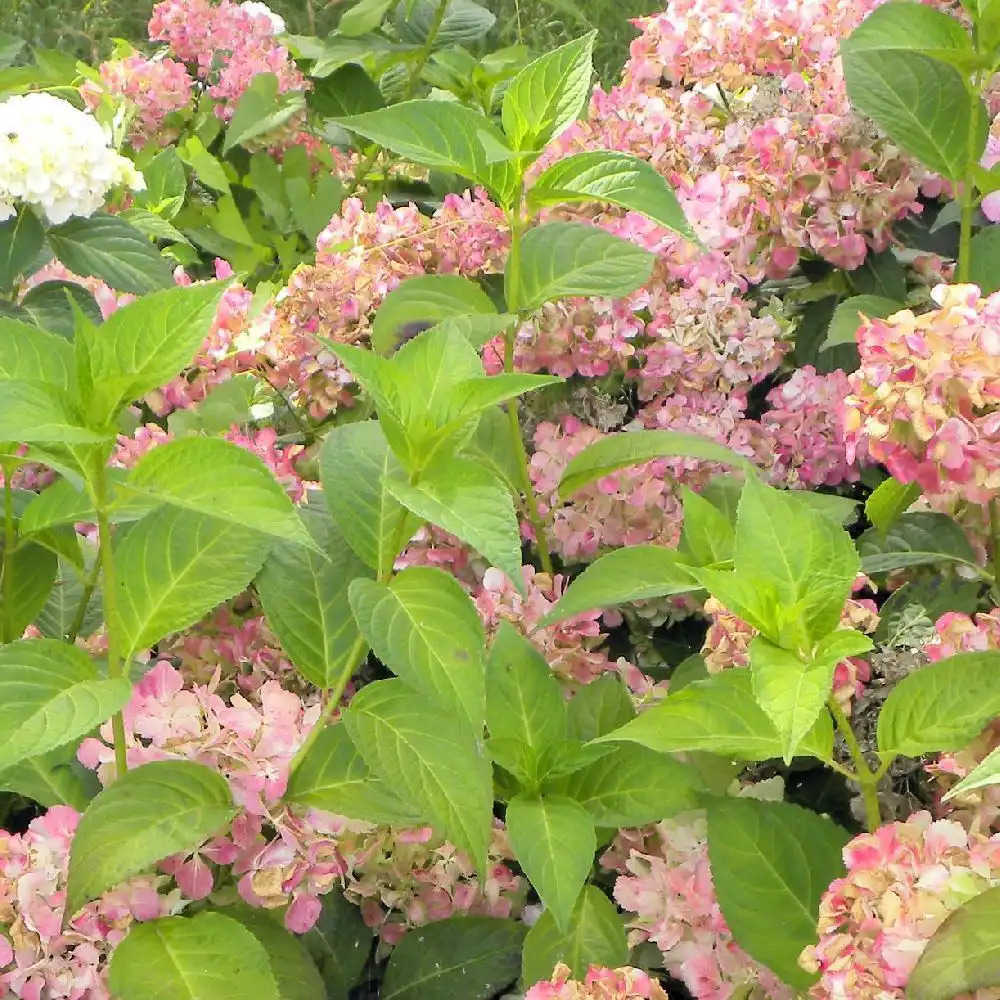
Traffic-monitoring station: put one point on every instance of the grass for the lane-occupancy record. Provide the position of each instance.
(87, 28)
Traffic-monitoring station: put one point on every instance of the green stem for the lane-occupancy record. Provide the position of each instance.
(81, 610)
(109, 594)
(965, 234)
(513, 288)
(865, 777)
(9, 544)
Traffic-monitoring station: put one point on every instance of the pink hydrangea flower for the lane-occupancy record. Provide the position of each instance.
(599, 983)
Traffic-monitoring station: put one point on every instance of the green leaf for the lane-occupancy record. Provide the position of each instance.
(774, 858)
(468, 957)
(215, 477)
(106, 247)
(616, 179)
(153, 226)
(791, 691)
(52, 779)
(478, 329)
(632, 785)
(173, 567)
(149, 813)
(923, 538)
(21, 241)
(334, 777)
(963, 955)
(426, 630)
(633, 573)
(913, 27)
(596, 936)
(924, 105)
(205, 957)
(473, 504)
(549, 94)
(524, 702)
(432, 762)
(426, 298)
(30, 354)
(50, 306)
(292, 967)
(50, 694)
(809, 562)
(718, 715)
(145, 344)
(598, 708)
(166, 184)
(32, 570)
(554, 842)
(58, 615)
(562, 259)
(304, 596)
(261, 109)
(846, 320)
(463, 22)
(984, 254)
(436, 134)
(339, 943)
(888, 502)
(627, 448)
(364, 16)
(356, 465)
(708, 536)
(38, 413)
(987, 772)
(941, 706)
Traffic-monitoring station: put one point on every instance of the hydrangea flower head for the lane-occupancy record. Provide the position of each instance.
(57, 159)
(599, 983)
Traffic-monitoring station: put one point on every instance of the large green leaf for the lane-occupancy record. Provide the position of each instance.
(51, 306)
(619, 451)
(963, 955)
(913, 27)
(554, 841)
(143, 345)
(792, 690)
(51, 694)
(808, 563)
(173, 567)
(632, 785)
(598, 708)
(106, 247)
(562, 259)
(596, 936)
(888, 502)
(778, 859)
(426, 298)
(549, 94)
(149, 813)
(52, 779)
(923, 538)
(846, 319)
(355, 465)
(261, 109)
(426, 630)
(941, 706)
(305, 599)
(924, 105)
(32, 570)
(708, 535)
(205, 957)
(339, 943)
(984, 251)
(21, 241)
(473, 504)
(334, 777)
(634, 573)
(441, 135)
(215, 477)
(468, 957)
(615, 178)
(721, 716)
(38, 413)
(430, 758)
(463, 22)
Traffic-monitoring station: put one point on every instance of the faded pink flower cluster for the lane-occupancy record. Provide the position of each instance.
(40, 959)
(727, 644)
(926, 400)
(599, 983)
(902, 881)
(227, 44)
(665, 883)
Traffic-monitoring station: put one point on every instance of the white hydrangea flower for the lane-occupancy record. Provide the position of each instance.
(262, 10)
(57, 159)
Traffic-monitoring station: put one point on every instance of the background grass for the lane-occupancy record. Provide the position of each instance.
(86, 27)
